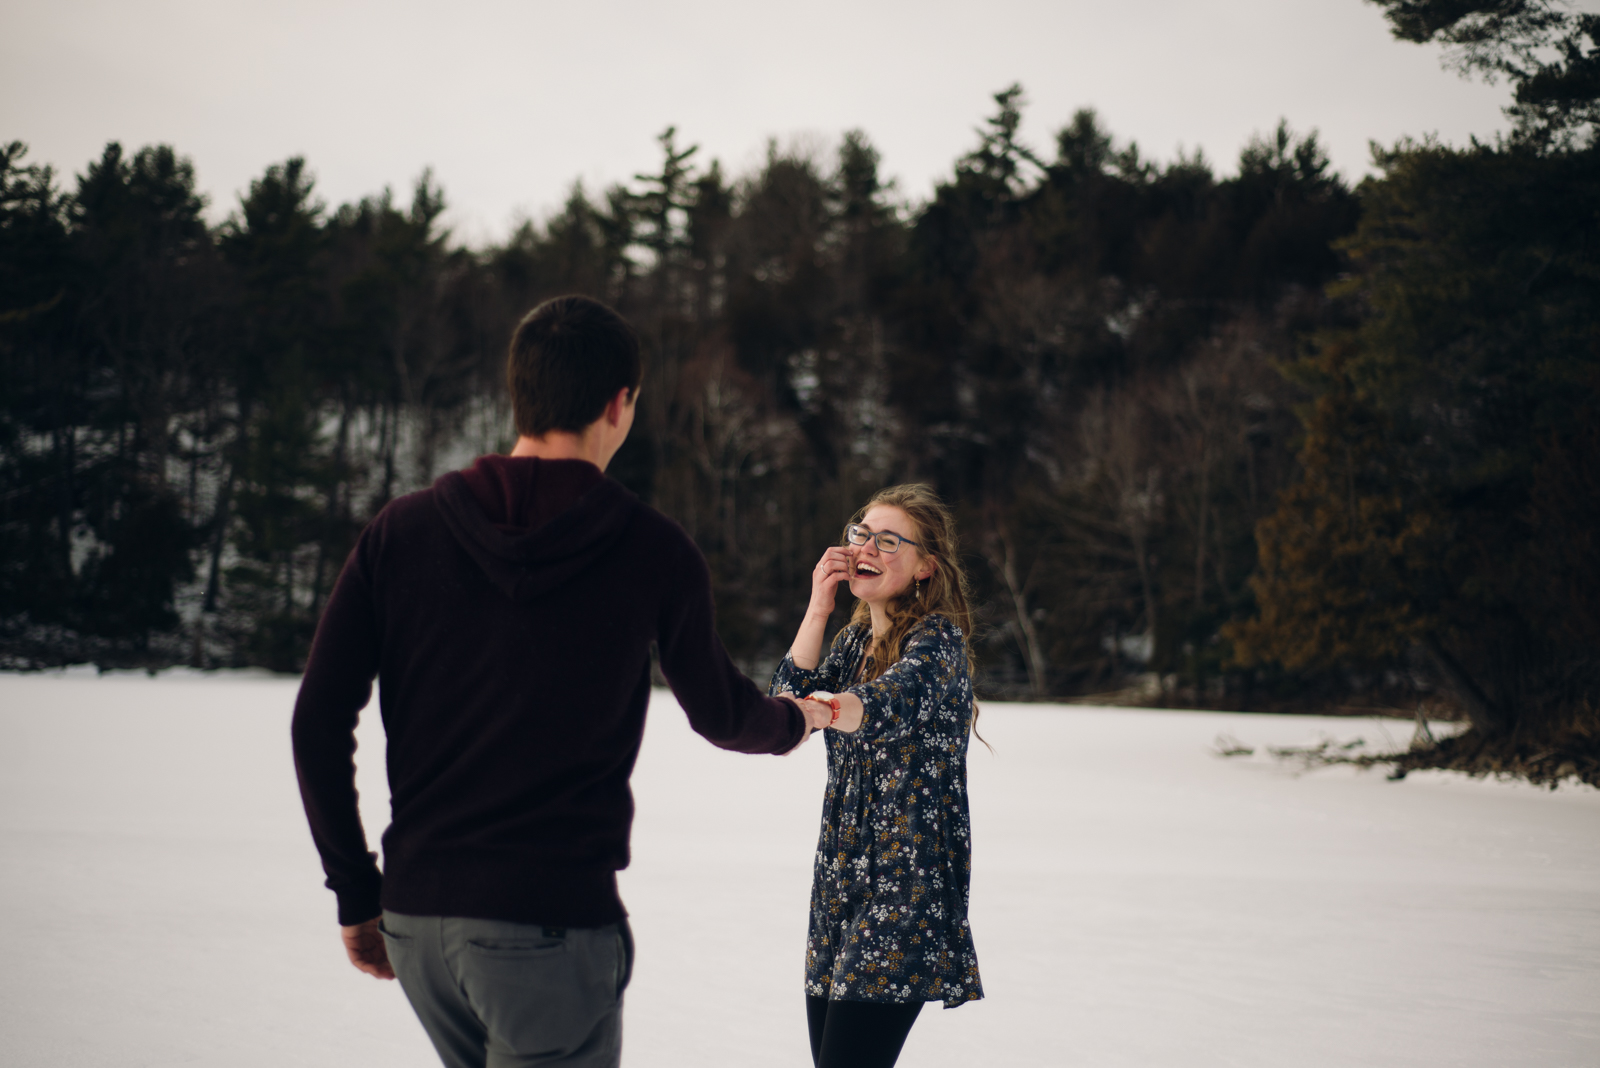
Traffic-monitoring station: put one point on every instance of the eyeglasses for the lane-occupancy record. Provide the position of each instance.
(887, 540)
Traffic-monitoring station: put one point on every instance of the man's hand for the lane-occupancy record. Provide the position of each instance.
(818, 715)
(365, 947)
(815, 720)
(851, 710)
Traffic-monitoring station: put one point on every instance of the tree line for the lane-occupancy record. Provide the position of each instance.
(1252, 439)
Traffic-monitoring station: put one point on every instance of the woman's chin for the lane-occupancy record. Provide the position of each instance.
(873, 590)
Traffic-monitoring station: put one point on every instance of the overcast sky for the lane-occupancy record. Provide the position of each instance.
(509, 101)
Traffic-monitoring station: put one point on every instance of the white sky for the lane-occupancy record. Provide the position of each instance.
(511, 100)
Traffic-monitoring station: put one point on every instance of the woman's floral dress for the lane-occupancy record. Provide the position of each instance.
(894, 859)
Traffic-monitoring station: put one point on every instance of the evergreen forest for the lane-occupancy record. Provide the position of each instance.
(1239, 436)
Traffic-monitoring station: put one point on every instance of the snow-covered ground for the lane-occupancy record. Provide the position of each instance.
(1135, 900)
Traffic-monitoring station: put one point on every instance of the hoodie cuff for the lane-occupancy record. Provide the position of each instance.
(357, 906)
(797, 725)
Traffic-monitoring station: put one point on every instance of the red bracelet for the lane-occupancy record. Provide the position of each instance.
(832, 702)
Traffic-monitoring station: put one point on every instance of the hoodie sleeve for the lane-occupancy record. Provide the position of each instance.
(334, 689)
(723, 706)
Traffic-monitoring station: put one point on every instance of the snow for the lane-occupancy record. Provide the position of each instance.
(1135, 899)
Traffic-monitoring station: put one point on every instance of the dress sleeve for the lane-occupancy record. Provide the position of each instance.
(794, 679)
(933, 662)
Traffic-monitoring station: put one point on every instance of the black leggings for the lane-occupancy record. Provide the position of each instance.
(858, 1034)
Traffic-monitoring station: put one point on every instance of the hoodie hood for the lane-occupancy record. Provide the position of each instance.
(532, 525)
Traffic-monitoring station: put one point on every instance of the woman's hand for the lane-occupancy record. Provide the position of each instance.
(833, 568)
(817, 714)
(851, 710)
(814, 720)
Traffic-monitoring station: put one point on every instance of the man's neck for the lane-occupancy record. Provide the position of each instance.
(561, 445)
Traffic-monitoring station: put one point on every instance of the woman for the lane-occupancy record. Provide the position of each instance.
(889, 897)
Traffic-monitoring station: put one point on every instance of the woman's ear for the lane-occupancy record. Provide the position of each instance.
(930, 564)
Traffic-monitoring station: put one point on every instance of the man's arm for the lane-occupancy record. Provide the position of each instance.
(723, 706)
(334, 689)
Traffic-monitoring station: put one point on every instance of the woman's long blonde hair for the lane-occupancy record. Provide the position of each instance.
(945, 591)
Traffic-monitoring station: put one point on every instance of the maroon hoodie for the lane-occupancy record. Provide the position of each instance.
(507, 613)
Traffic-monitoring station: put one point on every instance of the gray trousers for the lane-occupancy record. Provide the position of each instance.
(493, 994)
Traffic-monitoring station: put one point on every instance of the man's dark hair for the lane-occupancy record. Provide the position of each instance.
(569, 356)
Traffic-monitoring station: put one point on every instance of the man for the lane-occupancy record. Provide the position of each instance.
(507, 613)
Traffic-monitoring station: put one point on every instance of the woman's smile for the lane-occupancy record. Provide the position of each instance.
(867, 574)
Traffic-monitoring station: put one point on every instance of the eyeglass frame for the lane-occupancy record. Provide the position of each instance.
(873, 536)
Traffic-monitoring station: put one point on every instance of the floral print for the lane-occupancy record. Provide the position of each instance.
(894, 858)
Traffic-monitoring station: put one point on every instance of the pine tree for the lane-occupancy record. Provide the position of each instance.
(1550, 54)
(1466, 383)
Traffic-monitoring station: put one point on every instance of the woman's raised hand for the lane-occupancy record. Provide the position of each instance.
(833, 568)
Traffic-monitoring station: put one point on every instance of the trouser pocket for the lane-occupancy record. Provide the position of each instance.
(625, 949)
(539, 991)
(400, 946)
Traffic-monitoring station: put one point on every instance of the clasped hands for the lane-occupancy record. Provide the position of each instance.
(819, 712)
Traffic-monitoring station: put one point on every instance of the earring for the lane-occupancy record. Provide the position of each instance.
(919, 588)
